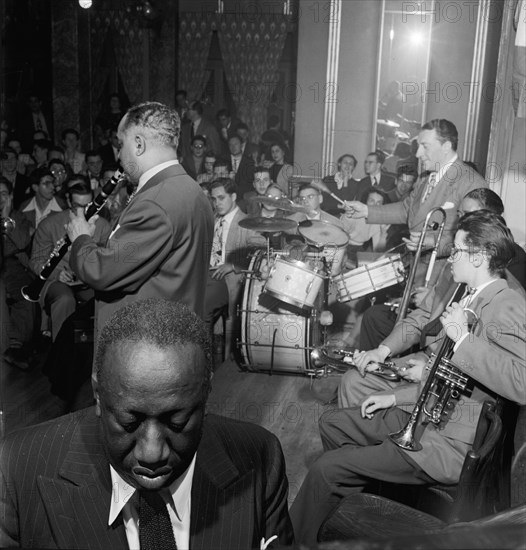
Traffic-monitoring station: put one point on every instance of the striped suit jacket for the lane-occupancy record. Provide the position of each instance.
(55, 487)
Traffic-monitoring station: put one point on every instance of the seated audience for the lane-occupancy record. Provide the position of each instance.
(161, 472)
(14, 275)
(226, 127)
(342, 184)
(356, 443)
(273, 134)
(72, 156)
(110, 152)
(374, 177)
(280, 169)
(62, 290)
(208, 174)
(58, 168)
(222, 169)
(56, 152)
(20, 183)
(24, 159)
(260, 184)
(44, 201)
(40, 152)
(199, 126)
(248, 148)
(94, 168)
(229, 256)
(194, 164)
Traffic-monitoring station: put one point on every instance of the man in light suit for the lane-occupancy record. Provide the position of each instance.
(230, 255)
(147, 466)
(448, 181)
(356, 439)
(161, 244)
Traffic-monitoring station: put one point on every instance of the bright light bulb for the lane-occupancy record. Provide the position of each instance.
(391, 34)
(86, 4)
(417, 38)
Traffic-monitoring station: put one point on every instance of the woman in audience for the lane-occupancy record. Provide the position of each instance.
(280, 169)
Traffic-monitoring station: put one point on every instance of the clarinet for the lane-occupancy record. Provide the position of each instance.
(32, 291)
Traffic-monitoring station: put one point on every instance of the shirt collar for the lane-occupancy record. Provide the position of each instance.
(155, 170)
(52, 206)
(477, 290)
(443, 169)
(230, 216)
(180, 490)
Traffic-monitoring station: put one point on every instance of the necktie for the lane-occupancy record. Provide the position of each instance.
(431, 183)
(216, 257)
(434, 326)
(235, 164)
(192, 131)
(38, 123)
(375, 182)
(155, 527)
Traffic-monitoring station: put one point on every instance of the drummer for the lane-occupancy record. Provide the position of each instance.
(261, 183)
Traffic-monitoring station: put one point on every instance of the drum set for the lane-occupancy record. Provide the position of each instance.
(284, 308)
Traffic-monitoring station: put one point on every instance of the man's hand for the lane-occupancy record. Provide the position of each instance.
(414, 237)
(414, 369)
(66, 277)
(222, 270)
(455, 322)
(78, 225)
(355, 209)
(367, 361)
(418, 294)
(375, 403)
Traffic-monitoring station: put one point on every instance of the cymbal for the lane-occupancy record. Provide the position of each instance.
(268, 225)
(322, 233)
(283, 204)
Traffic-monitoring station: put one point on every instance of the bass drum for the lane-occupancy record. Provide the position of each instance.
(276, 336)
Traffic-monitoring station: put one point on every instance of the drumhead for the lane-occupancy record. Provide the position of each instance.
(322, 233)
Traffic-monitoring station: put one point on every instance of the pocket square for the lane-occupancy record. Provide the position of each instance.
(448, 205)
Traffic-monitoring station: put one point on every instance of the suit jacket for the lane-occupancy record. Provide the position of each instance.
(244, 176)
(21, 191)
(107, 154)
(238, 245)
(59, 497)
(160, 247)
(458, 180)
(48, 232)
(493, 356)
(206, 129)
(386, 184)
(189, 165)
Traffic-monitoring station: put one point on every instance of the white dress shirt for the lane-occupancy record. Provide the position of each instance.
(227, 222)
(155, 170)
(179, 506)
(52, 206)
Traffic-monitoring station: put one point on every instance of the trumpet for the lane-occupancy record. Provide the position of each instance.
(32, 292)
(402, 310)
(443, 386)
(387, 371)
(7, 225)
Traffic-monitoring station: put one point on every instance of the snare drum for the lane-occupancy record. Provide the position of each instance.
(273, 337)
(369, 278)
(294, 282)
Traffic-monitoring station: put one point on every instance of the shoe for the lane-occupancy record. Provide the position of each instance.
(17, 357)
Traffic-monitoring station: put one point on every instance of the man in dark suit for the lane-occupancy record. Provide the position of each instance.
(374, 177)
(147, 466)
(241, 165)
(492, 355)
(194, 165)
(20, 183)
(110, 151)
(161, 244)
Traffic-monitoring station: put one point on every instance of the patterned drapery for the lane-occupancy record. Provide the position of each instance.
(195, 35)
(251, 50)
(127, 42)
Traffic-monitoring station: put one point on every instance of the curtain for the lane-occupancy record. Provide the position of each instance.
(195, 35)
(251, 50)
(99, 35)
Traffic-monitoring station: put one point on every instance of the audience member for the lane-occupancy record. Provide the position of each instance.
(72, 156)
(248, 148)
(62, 290)
(199, 126)
(15, 274)
(44, 202)
(222, 169)
(280, 169)
(374, 176)
(161, 472)
(94, 168)
(241, 166)
(59, 171)
(194, 164)
(110, 152)
(342, 184)
(41, 149)
(20, 183)
(226, 127)
(34, 120)
(208, 174)
(56, 152)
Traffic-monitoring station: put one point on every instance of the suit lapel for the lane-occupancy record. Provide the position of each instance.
(222, 499)
(78, 504)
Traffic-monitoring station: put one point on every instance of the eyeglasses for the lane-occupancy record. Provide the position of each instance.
(58, 172)
(456, 251)
(198, 146)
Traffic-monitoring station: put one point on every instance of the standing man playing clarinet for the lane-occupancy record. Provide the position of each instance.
(160, 247)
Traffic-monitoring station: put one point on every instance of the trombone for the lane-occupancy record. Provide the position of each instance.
(404, 304)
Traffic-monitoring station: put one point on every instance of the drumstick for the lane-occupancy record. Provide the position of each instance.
(322, 187)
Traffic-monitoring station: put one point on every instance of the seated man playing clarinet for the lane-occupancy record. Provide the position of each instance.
(360, 442)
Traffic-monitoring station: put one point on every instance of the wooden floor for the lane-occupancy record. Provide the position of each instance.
(287, 405)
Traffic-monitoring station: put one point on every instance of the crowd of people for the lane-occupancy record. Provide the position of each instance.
(165, 259)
